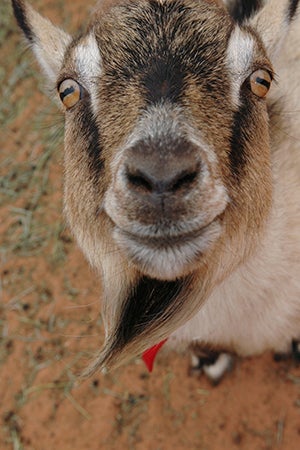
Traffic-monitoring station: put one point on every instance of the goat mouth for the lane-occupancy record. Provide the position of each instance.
(166, 240)
(167, 256)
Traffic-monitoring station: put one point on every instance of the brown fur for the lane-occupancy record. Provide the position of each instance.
(164, 83)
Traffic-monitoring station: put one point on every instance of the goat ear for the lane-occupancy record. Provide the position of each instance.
(272, 22)
(48, 42)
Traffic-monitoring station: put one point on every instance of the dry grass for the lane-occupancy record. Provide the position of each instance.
(49, 312)
(32, 234)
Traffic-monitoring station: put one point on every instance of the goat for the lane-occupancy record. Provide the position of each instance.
(182, 170)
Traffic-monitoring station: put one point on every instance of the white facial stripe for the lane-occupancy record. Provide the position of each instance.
(240, 54)
(87, 57)
(88, 64)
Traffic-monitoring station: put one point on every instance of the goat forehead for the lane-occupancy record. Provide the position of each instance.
(163, 43)
(164, 39)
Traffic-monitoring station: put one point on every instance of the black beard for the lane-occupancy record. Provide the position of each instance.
(150, 303)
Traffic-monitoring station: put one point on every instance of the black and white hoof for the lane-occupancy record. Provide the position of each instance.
(293, 354)
(296, 350)
(213, 364)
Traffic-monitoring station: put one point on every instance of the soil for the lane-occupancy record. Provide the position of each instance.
(50, 324)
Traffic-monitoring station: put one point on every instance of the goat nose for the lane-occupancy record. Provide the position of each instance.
(161, 180)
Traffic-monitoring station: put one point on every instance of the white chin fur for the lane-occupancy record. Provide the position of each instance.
(167, 262)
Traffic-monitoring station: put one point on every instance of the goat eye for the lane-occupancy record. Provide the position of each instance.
(70, 92)
(260, 82)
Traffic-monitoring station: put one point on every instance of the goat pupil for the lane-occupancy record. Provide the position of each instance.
(67, 91)
(262, 81)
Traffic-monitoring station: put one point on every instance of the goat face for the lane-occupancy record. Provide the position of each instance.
(167, 149)
(167, 162)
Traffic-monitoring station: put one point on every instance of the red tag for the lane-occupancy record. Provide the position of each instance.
(149, 355)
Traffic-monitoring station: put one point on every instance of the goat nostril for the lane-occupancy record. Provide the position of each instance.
(142, 182)
(139, 181)
(184, 180)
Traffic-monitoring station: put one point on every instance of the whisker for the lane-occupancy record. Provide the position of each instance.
(96, 302)
(80, 336)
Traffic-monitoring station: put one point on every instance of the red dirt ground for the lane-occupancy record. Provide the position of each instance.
(50, 325)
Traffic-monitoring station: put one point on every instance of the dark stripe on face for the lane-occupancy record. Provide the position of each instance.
(243, 9)
(91, 136)
(146, 304)
(163, 80)
(20, 14)
(161, 47)
(239, 137)
(292, 9)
